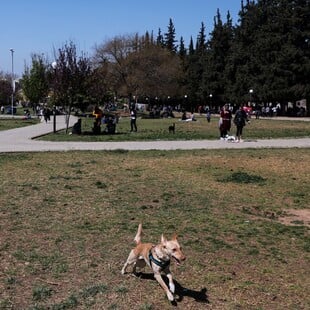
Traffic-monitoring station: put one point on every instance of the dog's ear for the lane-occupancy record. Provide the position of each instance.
(163, 239)
(174, 237)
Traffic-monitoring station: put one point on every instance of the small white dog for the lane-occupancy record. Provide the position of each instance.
(230, 138)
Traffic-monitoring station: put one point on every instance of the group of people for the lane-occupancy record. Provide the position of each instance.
(240, 120)
(225, 122)
(43, 112)
(109, 120)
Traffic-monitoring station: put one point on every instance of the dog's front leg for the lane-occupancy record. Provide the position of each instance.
(171, 283)
(164, 286)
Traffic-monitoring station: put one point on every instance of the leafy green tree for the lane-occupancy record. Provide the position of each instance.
(5, 89)
(34, 81)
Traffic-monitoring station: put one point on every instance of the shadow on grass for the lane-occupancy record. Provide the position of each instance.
(243, 177)
(180, 291)
(102, 133)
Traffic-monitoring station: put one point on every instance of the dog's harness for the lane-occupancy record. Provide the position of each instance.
(162, 265)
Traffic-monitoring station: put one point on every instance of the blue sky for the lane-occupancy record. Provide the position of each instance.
(37, 26)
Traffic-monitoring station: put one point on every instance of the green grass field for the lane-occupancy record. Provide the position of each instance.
(157, 129)
(67, 222)
(10, 123)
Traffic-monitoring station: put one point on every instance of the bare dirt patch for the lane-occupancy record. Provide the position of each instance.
(296, 217)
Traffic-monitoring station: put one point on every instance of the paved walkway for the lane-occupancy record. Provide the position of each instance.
(21, 140)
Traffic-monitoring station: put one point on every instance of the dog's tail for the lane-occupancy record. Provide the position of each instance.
(137, 238)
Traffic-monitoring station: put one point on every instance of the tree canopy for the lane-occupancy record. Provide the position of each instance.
(267, 51)
(34, 81)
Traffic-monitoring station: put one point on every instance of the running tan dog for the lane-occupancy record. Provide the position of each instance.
(157, 257)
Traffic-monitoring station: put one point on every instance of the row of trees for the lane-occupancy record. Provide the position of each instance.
(267, 51)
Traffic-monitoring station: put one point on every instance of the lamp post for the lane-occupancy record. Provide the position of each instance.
(185, 101)
(54, 66)
(251, 92)
(13, 86)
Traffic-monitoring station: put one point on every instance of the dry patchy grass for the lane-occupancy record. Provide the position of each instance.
(68, 220)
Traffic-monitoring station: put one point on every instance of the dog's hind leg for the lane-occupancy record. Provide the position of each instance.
(140, 263)
(132, 258)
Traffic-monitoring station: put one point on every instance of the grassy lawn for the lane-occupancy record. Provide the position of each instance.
(157, 129)
(68, 219)
(10, 123)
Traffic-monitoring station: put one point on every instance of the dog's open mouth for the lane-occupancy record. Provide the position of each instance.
(178, 262)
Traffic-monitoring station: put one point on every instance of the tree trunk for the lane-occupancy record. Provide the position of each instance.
(67, 116)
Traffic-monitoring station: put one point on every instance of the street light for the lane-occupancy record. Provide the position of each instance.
(54, 66)
(13, 86)
(185, 101)
(251, 92)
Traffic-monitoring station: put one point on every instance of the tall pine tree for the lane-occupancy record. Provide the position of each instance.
(219, 46)
(169, 38)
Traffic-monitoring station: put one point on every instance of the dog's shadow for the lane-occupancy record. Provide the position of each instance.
(180, 291)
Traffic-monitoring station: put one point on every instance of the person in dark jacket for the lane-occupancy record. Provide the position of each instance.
(240, 120)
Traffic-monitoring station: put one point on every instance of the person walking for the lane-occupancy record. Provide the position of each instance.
(240, 120)
(46, 114)
(133, 118)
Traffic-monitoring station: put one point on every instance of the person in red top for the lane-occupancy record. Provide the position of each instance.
(225, 121)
